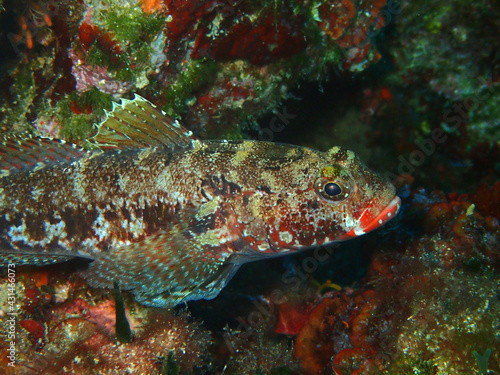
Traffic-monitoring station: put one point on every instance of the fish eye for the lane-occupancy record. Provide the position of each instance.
(334, 184)
(332, 189)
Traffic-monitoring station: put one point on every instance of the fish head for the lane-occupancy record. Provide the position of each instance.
(326, 197)
(356, 199)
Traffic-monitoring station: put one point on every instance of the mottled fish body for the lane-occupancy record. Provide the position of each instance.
(172, 217)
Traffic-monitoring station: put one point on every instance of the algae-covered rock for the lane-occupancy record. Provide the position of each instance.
(217, 66)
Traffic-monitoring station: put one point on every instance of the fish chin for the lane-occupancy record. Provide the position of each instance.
(369, 221)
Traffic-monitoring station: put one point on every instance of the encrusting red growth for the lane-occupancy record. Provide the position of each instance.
(348, 26)
(336, 17)
(314, 346)
(259, 49)
(292, 317)
(192, 21)
(89, 34)
(36, 330)
(487, 200)
(227, 31)
(274, 38)
(190, 56)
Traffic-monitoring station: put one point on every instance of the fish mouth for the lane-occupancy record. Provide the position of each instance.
(368, 222)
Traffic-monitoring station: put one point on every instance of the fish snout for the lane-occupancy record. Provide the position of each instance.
(371, 218)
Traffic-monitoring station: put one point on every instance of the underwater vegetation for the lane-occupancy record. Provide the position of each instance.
(412, 87)
(217, 65)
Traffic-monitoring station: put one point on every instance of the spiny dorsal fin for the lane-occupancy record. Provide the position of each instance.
(139, 123)
(28, 152)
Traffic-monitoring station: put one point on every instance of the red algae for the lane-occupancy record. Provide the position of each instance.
(260, 45)
(314, 344)
(291, 318)
(80, 343)
(487, 200)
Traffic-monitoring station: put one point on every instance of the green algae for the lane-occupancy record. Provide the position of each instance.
(283, 370)
(484, 117)
(76, 127)
(170, 366)
(426, 53)
(133, 28)
(134, 32)
(482, 361)
(23, 91)
(80, 126)
(181, 93)
(122, 327)
(96, 100)
(412, 366)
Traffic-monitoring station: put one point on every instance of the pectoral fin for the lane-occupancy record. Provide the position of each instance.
(165, 270)
(189, 260)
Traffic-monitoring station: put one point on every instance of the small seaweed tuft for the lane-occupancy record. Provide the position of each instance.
(170, 366)
(123, 331)
(482, 361)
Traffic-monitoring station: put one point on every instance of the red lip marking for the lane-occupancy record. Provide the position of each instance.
(367, 222)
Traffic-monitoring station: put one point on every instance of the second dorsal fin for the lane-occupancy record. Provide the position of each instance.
(139, 123)
(20, 152)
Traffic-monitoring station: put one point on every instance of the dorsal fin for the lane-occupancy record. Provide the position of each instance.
(139, 123)
(27, 152)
